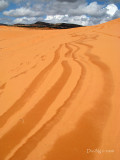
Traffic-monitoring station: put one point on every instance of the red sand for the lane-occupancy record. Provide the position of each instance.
(59, 93)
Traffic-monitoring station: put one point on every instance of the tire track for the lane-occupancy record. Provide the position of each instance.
(19, 131)
(88, 133)
(3, 86)
(68, 54)
(32, 142)
(106, 34)
(30, 90)
(22, 73)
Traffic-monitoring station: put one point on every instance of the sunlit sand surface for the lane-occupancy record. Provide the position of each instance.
(59, 93)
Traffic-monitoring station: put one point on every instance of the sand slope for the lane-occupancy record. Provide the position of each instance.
(59, 93)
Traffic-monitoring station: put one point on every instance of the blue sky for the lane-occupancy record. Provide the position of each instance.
(84, 12)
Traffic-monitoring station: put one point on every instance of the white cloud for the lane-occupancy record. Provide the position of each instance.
(111, 9)
(88, 14)
(20, 12)
(66, 11)
(24, 20)
(27, 20)
(82, 20)
(16, 1)
(55, 17)
(69, 0)
(111, 1)
(93, 9)
(49, 18)
(3, 5)
(117, 14)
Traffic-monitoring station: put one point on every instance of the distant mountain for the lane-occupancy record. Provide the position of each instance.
(40, 24)
(1, 24)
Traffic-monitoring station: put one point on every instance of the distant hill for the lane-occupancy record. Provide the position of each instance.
(2, 24)
(40, 24)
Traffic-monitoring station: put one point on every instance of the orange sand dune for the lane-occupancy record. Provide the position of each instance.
(59, 93)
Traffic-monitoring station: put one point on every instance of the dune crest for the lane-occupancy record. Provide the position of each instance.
(59, 93)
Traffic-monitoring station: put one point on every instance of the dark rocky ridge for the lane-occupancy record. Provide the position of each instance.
(1, 24)
(40, 24)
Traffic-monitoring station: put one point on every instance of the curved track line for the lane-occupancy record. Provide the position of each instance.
(32, 142)
(106, 34)
(29, 91)
(19, 131)
(3, 86)
(68, 54)
(22, 73)
(88, 125)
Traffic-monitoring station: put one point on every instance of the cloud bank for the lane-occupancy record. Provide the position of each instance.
(3, 5)
(57, 11)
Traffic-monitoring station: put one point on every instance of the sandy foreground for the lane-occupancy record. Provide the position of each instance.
(60, 93)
